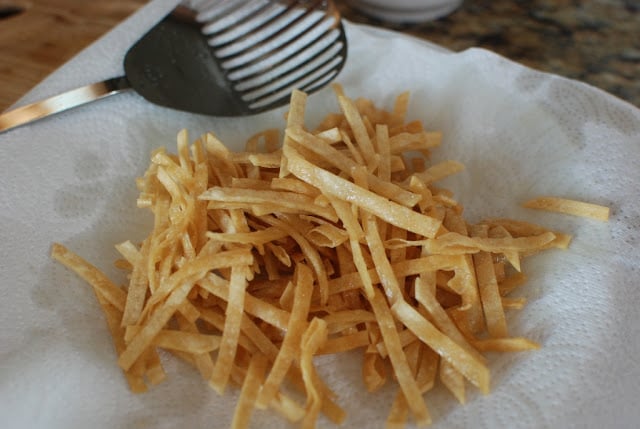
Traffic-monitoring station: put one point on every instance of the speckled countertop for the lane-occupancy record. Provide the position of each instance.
(595, 41)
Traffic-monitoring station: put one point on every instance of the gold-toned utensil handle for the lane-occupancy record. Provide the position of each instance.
(58, 103)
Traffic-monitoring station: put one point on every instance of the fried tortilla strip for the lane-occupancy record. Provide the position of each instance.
(409, 267)
(373, 372)
(453, 380)
(489, 292)
(189, 342)
(154, 324)
(113, 316)
(96, 278)
(512, 344)
(254, 306)
(343, 189)
(345, 343)
(355, 232)
(313, 338)
(249, 392)
(358, 128)
(231, 332)
(291, 344)
(288, 200)
(475, 371)
(568, 206)
(398, 359)
(385, 188)
(295, 117)
(399, 413)
(138, 287)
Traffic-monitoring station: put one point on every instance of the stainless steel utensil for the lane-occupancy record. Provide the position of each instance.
(230, 58)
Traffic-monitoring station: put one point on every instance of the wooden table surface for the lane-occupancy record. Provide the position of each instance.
(38, 36)
(596, 41)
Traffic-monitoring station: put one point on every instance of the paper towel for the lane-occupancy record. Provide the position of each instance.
(520, 134)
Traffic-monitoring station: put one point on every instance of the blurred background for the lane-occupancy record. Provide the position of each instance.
(595, 41)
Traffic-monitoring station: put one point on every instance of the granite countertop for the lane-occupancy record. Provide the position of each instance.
(595, 41)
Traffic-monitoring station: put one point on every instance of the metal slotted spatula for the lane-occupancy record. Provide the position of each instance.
(231, 58)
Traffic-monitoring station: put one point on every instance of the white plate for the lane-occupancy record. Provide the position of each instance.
(521, 134)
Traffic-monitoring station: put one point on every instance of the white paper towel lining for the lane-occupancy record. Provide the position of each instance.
(520, 134)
